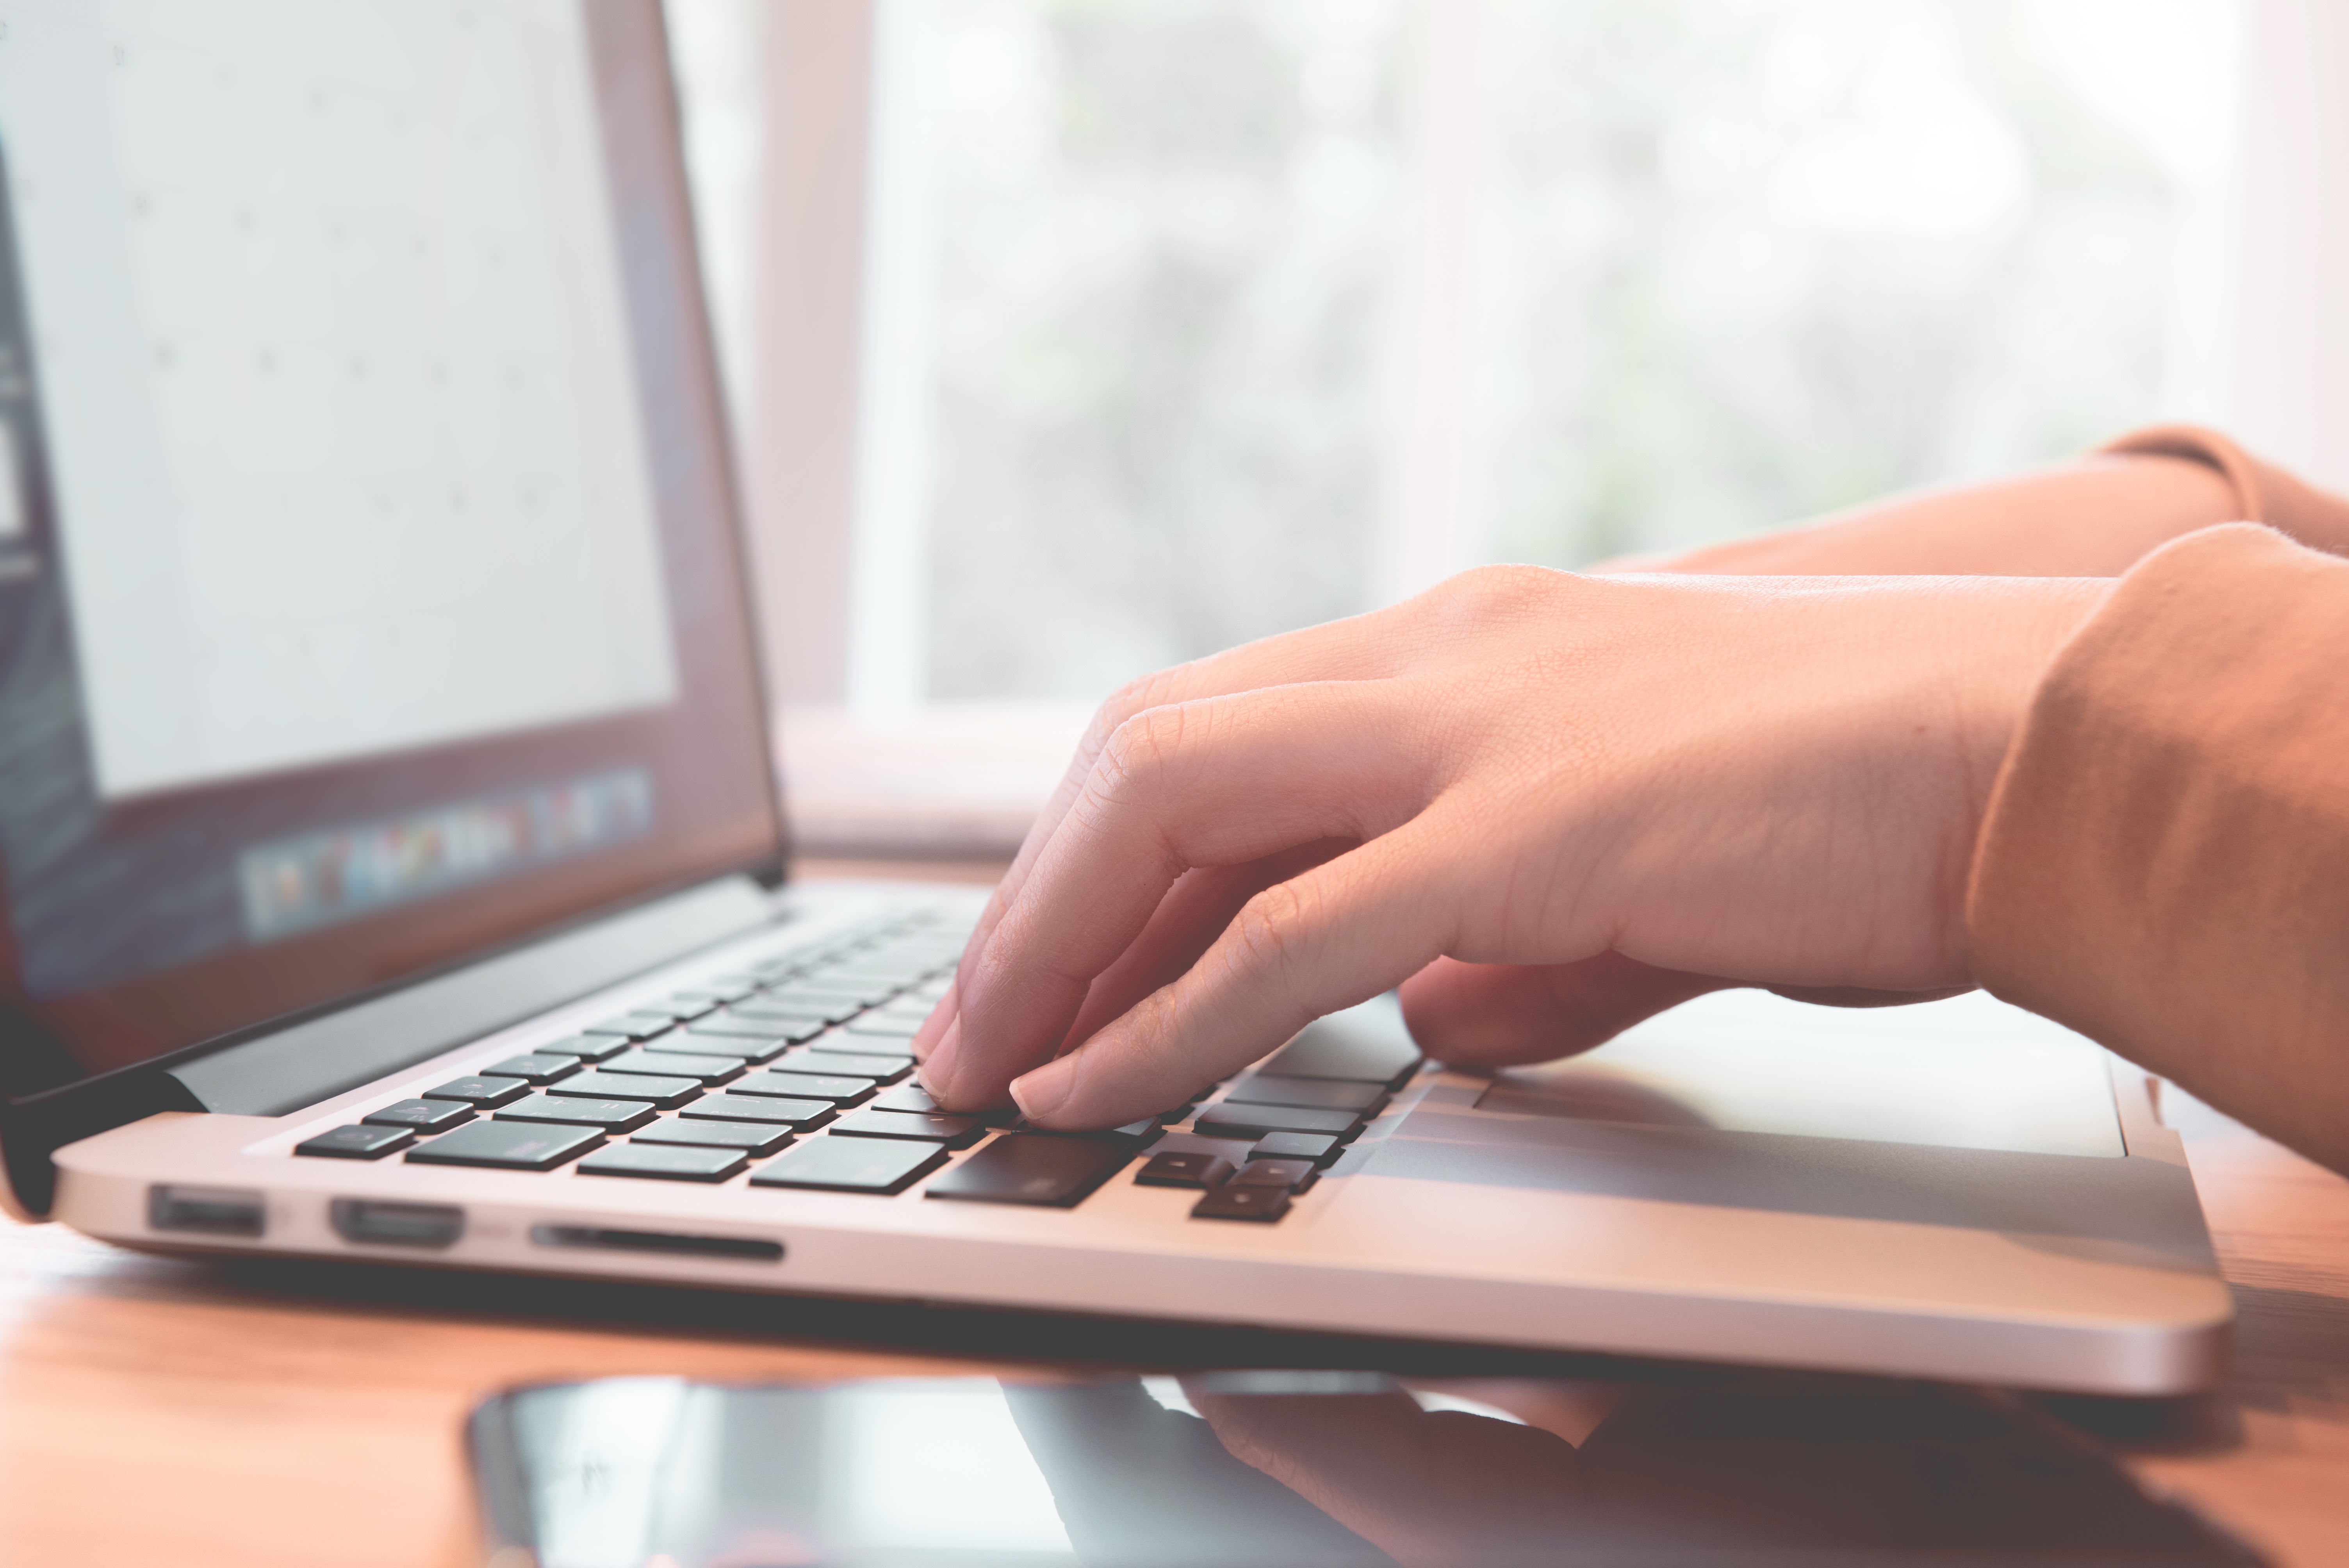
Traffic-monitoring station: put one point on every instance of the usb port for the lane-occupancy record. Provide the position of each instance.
(372, 1222)
(208, 1210)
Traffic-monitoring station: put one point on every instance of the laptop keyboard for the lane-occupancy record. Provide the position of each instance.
(795, 1073)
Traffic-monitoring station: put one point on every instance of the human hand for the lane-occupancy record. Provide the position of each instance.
(1597, 796)
(2092, 517)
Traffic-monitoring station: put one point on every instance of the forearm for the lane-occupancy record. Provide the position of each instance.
(2164, 863)
(2094, 516)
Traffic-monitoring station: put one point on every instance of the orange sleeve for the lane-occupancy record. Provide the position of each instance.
(2263, 492)
(2165, 862)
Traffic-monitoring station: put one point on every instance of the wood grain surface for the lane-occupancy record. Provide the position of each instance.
(157, 1410)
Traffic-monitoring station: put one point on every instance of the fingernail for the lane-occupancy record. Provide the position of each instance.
(1047, 1089)
(937, 1070)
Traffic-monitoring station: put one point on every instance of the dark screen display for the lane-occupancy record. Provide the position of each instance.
(426, 630)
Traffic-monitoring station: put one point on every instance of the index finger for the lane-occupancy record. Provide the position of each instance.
(1357, 648)
(1225, 782)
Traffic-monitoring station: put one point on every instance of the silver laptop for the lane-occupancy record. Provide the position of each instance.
(393, 867)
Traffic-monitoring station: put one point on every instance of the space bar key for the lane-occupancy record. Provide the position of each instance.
(1032, 1169)
(1228, 1120)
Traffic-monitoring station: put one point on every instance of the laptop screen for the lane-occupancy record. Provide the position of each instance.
(369, 589)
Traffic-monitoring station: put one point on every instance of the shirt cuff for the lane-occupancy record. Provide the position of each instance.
(2163, 865)
(2263, 492)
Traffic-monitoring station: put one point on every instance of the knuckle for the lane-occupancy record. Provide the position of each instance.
(1133, 792)
(1139, 753)
(1505, 591)
(1269, 932)
(1135, 697)
(1129, 699)
(1489, 597)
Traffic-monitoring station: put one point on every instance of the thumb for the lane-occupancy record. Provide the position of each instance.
(1492, 1015)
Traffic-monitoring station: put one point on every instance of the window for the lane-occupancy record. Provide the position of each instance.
(1184, 322)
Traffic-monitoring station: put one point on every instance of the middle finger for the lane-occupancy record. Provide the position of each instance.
(1222, 781)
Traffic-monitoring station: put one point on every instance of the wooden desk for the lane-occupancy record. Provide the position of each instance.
(154, 1410)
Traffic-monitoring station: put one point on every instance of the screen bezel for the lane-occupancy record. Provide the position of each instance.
(677, 367)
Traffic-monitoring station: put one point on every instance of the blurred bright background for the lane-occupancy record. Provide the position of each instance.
(1072, 338)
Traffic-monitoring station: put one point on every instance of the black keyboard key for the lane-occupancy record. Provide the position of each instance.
(508, 1146)
(357, 1142)
(911, 1005)
(788, 1031)
(1231, 1201)
(685, 1006)
(785, 1006)
(1176, 1169)
(1020, 1168)
(854, 1064)
(841, 1043)
(841, 974)
(876, 966)
(666, 1162)
(1289, 1175)
(1310, 1094)
(634, 1025)
(668, 1093)
(952, 1131)
(702, 1069)
(913, 1097)
(722, 989)
(749, 1049)
(1134, 1134)
(1256, 1121)
(610, 1115)
(1317, 1146)
(752, 1138)
(910, 1097)
(1196, 1143)
(822, 990)
(482, 1093)
(539, 1068)
(825, 1064)
(586, 1048)
(877, 1166)
(424, 1115)
(885, 1027)
(1354, 1047)
(872, 990)
(909, 960)
(841, 1091)
(796, 1113)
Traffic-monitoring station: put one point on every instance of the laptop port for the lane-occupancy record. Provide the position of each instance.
(208, 1210)
(372, 1222)
(601, 1238)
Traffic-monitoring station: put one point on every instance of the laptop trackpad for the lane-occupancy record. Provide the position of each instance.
(1967, 1073)
(1963, 1112)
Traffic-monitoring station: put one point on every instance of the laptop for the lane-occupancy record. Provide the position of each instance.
(394, 868)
